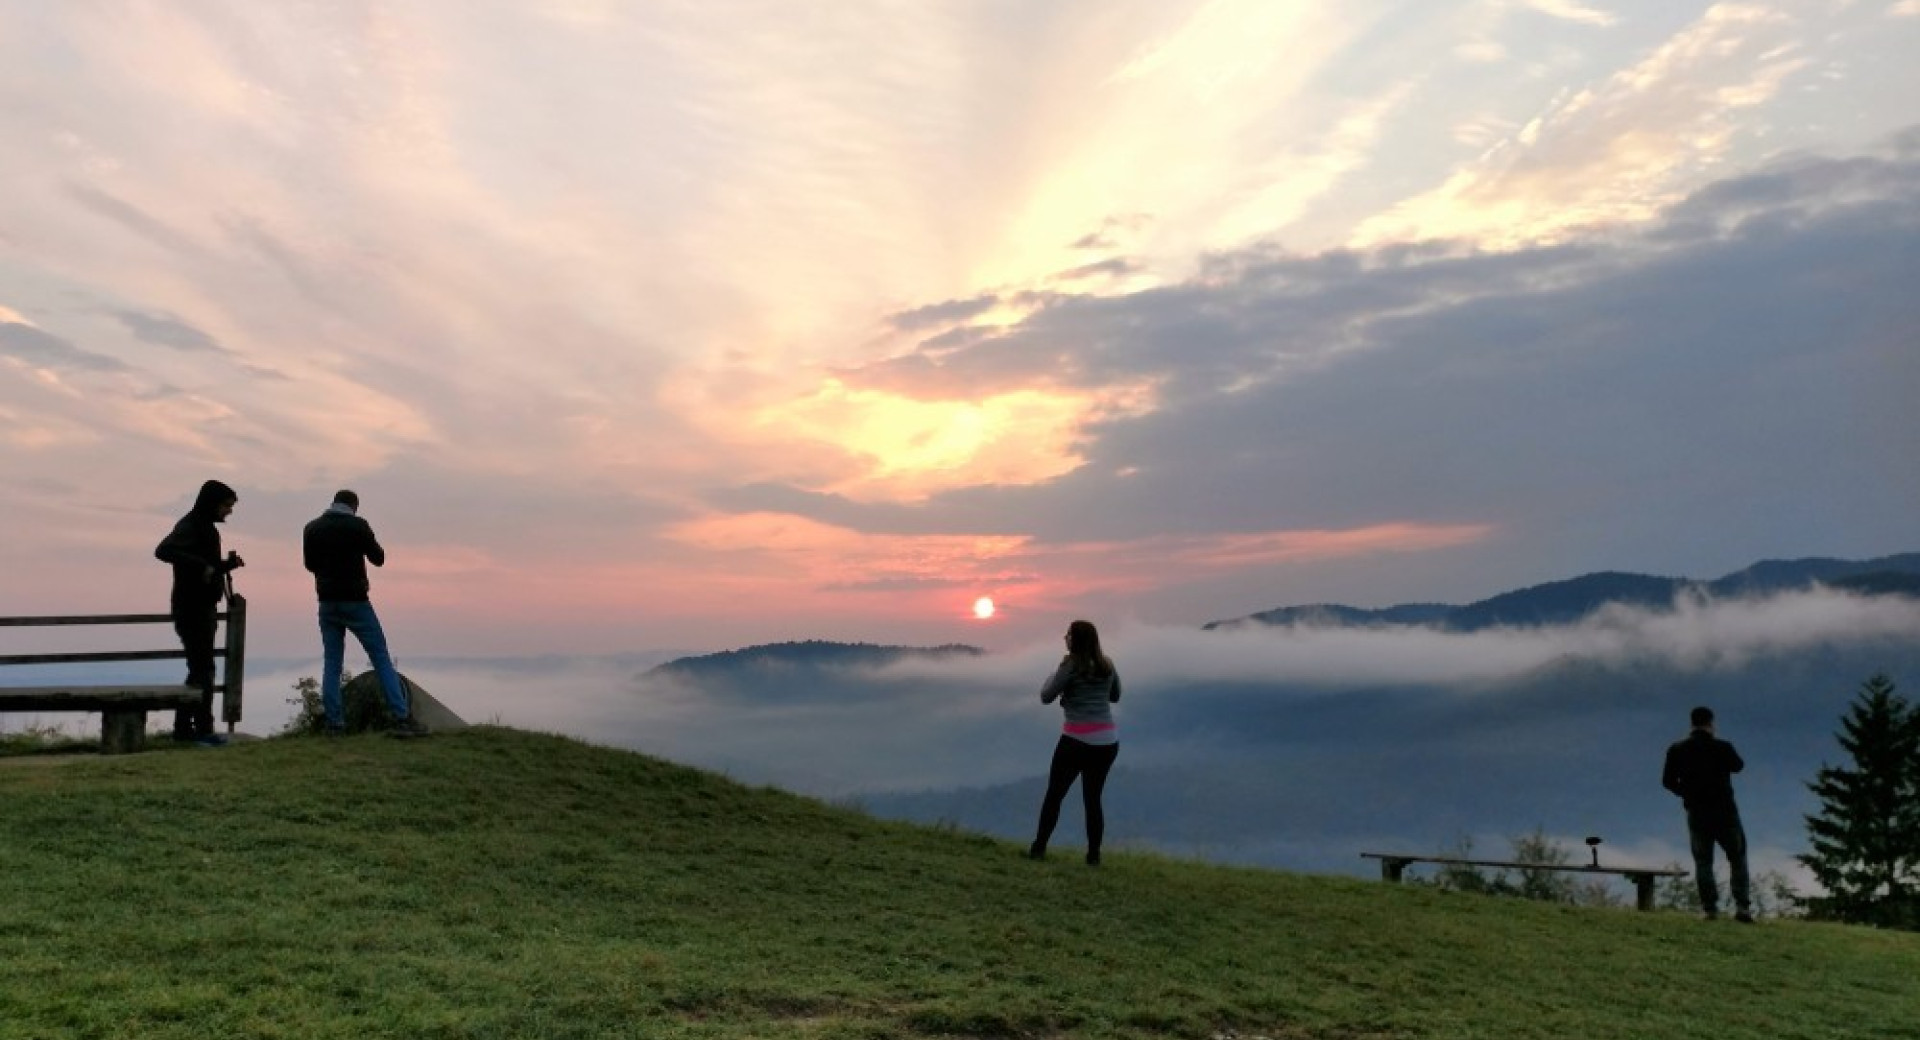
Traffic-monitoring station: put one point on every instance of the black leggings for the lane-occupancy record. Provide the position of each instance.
(1090, 763)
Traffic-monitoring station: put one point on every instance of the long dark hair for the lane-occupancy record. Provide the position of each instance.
(1083, 649)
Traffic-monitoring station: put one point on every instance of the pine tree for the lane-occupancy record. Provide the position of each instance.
(1866, 837)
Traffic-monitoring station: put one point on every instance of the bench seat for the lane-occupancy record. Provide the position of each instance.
(123, 709)
(1392, 864)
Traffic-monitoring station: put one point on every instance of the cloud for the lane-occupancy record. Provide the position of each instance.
(512, 251)
(134, 219)
(1696, 636)
(1703, 369)
(1026, 576)
(1572, 11)
(43, 350)
(1617, 151)
(1289, 747)
(167, 331)
(937, 314)
(1112, 268)
(1292, 747)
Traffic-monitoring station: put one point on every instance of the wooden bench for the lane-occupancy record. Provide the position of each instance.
(123, 707)
(1393, 864)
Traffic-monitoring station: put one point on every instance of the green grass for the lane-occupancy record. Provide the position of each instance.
(495, 883)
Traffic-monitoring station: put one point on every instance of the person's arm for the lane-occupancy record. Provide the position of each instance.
(1734, 762)
(1670, 775)
(177, 548)
(1056, 683)
(375, 555)
(1113, 696)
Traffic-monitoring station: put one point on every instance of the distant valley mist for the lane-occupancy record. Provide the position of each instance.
(1295, 744)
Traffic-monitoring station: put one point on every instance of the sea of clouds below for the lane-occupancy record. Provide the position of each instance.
(1286, 746)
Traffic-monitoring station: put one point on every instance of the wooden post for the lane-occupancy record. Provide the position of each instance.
(1643, 891)
(1391, 868)
(232, 699)
(123, 731)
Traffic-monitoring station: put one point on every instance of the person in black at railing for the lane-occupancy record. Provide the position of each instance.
(1700, 770)
(199, 581)
(337, 546)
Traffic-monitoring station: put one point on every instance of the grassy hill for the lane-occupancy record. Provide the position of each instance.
(496, 884)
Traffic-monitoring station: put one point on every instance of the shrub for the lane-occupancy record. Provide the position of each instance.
(361, 701)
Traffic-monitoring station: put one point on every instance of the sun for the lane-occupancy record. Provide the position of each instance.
(983, 607)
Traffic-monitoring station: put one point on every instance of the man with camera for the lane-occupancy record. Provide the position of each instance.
(1700, 770)
(337, 546)
(199, 582)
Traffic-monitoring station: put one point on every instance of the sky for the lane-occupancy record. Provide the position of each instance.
(698, 325)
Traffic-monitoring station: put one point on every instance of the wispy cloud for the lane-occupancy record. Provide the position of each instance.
(1572, 11)
(1617, 151)
(937, 314)
(1696, 636)
(166, 330)
(42, 350)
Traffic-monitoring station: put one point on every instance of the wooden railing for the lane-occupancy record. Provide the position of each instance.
(123, 707)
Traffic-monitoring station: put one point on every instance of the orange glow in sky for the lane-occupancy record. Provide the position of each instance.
(907, 448)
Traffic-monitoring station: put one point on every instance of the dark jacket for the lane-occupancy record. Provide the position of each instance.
(337, 547)
(1700, 770)
(193, 546)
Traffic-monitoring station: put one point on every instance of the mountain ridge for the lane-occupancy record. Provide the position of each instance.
(811, 653)
(1570, 599)
(1562, 601)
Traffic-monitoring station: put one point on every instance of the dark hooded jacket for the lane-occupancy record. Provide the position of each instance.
(193, 546)
(337, 547)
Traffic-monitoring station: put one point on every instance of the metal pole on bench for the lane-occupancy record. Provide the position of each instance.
(231, 699)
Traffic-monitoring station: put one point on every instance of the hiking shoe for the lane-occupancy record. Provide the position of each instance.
(1093, 859)
(1036, 852)
(409, 727)
(1743, 917)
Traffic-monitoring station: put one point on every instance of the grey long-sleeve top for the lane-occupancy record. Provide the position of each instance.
(1087, 701)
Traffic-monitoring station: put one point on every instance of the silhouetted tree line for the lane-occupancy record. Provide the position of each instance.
(1866, 837)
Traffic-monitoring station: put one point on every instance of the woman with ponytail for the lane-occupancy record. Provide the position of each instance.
(1086, 686)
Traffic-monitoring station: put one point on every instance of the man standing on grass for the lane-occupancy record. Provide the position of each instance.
(199, 581)
(337, 547)
(1700, 770)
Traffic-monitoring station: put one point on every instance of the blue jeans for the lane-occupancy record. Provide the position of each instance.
(337, 618)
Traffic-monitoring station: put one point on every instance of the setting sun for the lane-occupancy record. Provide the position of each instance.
(983, 607)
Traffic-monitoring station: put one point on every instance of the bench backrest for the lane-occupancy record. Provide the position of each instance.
(233, 653)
